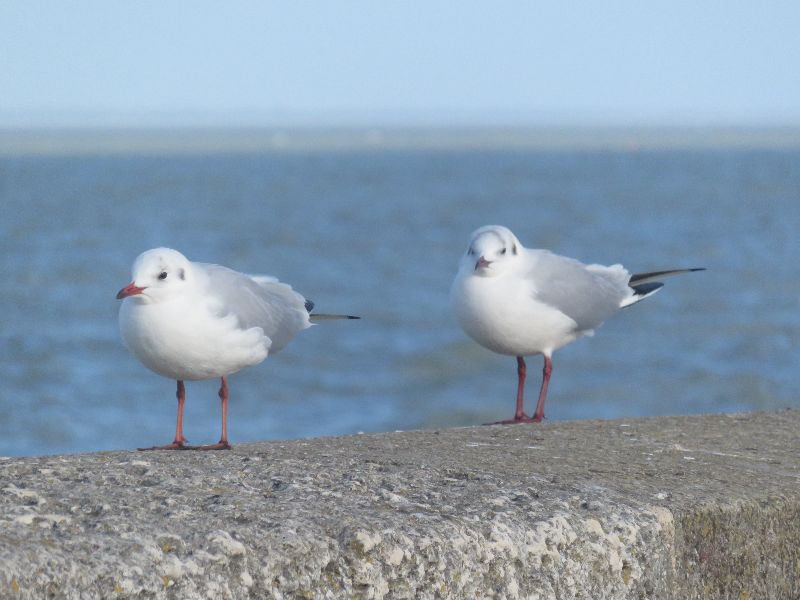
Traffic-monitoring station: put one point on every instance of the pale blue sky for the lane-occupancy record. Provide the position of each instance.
(372, 62)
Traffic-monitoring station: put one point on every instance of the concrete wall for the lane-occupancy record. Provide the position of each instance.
(688, 507)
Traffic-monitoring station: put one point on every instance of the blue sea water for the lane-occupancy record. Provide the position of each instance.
(379, 233)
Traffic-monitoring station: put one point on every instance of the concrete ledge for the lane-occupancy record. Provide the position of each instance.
(689, 507)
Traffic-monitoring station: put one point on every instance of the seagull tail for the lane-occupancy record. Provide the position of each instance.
(644, 284)
(314, 317)
(638, 278)
(323, 317)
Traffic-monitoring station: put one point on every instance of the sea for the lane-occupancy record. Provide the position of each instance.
(373, 223)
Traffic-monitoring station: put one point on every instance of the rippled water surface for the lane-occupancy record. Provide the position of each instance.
(379, 233)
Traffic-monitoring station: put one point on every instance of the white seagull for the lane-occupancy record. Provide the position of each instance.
(521, 302)
(190, 321)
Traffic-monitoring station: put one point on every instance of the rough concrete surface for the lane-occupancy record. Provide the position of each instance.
(684, 507)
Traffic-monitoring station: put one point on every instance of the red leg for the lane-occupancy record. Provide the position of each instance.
(181, 395)
(223, 440)
(548, 368)
(519, 413)
(522, 371)
(179, 443)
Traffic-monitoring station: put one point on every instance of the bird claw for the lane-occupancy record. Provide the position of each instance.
(523, 419)
(218, 446)
(182, 446)
(172, 446)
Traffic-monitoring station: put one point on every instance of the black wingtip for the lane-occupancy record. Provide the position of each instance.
(309, 305)
(643, 289)
(638, 278)
(327, 317)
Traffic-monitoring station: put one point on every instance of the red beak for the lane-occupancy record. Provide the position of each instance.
(482, 262)
(129, 290)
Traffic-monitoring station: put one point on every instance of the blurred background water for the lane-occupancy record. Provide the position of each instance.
(378, 232)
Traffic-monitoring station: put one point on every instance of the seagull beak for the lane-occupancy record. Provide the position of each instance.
(129, 290)
(482, 262)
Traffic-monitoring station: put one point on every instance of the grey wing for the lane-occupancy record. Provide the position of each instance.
(259, 301)
(588, 294)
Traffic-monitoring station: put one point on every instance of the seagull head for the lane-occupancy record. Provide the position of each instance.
(158, 274)
(493, 250)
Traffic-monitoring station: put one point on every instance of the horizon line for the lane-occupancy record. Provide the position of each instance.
(240, 139)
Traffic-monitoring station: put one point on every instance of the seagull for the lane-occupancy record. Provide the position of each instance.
(520, 302)
(190, 321)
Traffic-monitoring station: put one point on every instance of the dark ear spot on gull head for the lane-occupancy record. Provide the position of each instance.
(182, 273)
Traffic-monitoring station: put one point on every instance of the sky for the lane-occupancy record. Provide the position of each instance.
(426, 62)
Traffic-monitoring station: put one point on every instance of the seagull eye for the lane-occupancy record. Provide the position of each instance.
(503, 251)
(471, 252)
(162, 275)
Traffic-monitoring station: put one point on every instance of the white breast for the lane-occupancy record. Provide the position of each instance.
(502, 315)
(184, 340)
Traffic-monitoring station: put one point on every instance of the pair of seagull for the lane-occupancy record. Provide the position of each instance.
(192, 321)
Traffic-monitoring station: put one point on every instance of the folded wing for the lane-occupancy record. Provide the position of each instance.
(259, 301)
(588, 294)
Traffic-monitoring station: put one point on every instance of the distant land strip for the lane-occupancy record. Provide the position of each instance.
(165, 141)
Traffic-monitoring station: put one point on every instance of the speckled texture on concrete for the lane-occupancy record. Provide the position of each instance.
(697, 507)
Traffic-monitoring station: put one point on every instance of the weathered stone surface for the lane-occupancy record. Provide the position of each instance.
(689, 507)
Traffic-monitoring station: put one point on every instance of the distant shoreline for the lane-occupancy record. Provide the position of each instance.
(227, 140)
